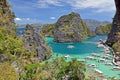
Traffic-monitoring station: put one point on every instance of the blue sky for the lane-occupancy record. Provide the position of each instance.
(48, 11)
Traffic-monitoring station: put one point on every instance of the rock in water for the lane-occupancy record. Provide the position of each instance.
(114, 35)
(34, 42)
(70, 28)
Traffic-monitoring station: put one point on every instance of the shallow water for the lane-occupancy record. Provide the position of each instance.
(83, 49)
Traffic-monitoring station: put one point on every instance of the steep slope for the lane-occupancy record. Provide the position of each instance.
(114, 35)
(91, 23)
(70, 28)
(7, 32)
(103, 29)
(34, 42)
(47, 30)
(6, 16)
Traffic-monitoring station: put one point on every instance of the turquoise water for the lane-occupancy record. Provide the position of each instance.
(83, 49)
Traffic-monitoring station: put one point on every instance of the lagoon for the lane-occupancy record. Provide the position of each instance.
(80, 50)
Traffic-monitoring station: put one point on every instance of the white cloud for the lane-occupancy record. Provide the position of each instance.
(98, 5)
(27, 18)
(52, 18)
(22, 19)
(46, 3)
(18, 19)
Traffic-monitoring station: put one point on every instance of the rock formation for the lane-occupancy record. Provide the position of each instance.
(6, 22)
(34, 42)
(47, 30)
(103, 29)
(6, 16)
(70, 28)
(114, 35)
(91, 23)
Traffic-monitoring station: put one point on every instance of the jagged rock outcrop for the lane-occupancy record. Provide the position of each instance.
(103, 29)
(70, 28)
(48, 30)
(6, 16)
(114, 35)
(34, 42)
(6, 22)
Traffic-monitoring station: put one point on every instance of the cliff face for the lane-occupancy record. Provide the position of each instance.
(103, 29)
(47, 30)
(34, 42)
(114, 35)
(6, 16)
(70, 28)
(6, 28)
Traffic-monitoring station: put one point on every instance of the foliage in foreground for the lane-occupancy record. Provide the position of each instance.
(11, 48)
(8, 72)
(55, 70)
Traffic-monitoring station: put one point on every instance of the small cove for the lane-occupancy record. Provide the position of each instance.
(80, 51)
(83, 49)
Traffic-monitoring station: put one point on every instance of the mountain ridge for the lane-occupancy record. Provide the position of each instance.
(89, 22)
(94, 23)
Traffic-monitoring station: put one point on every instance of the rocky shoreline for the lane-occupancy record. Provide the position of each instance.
(113, 52)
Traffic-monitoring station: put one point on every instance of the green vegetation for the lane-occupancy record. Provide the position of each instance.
(35, 42)
(17, 63)
(85, 27)
(55, 70)
(103, 29)
(7, 17)
(70, 28)
(8, 72)
(116, 45)
(47, 30)
(11, 47)
(92, 23)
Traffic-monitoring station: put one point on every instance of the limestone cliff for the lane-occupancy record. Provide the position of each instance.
(6, 27)
(34, 42)
(6, 16)
(114, 35)
(47, 30)
(103, 29)
(70, 28)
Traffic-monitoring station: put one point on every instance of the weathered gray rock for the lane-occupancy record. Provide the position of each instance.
(47, 30)
(34, 42)
(6, 21)
(70, 28)
(103, 29)
(92, 33)
(6, 17)
(114, 35)
(7, 14)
